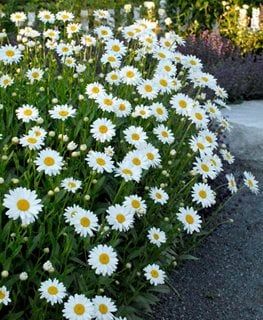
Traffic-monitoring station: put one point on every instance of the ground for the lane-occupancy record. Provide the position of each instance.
(226, 283)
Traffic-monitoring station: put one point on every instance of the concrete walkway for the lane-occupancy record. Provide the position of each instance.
(226, 283)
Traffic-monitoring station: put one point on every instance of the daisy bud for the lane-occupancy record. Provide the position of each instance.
(4, 274)
(75, 154)
(173, 152)
(90, 61)
(117, 282)
(128, 265)
(40, 120)
(138, 274)
(52, 133)
(65, 138)
(170, 162)
(47, 266)
(164, 172)
(106, 228)
(15, 181)
(72, 146)
(2, 180)
(1, 106)
(75, 75)
(54, 100)
(60, 77)
(87, 197)
(15, 140)
(101, 75)
(50, 193)
(94, 181)
(166, 219)
(46, 250)
(41, 89)
(101, 290)
(174, 263)
(162, 185)
(12, 235)
(23, 276)
(25, 239)
(56, 189)
(81, 97)
(86, 119)
(81, 80)
(83, 147)
(146, 188)
(13, 94)
(4, 157)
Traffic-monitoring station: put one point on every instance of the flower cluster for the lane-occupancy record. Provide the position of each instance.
(108, 149)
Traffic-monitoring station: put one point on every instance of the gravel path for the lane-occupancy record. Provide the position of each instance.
(226, 283)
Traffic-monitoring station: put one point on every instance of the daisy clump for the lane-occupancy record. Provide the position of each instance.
(109, 152)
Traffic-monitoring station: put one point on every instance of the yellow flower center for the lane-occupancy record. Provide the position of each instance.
(108, 102)
(32, 140)
(205, 79)
(163, 82)
(23, 205)
(120, 218)
(135, 136)
(49, 161)
(104, 32)
(158, 195)
(167, 68)
(111, 59)
(100, 161)
(79, 309)
(103, 308)
(9, 53)
(95, 90)
(52, 290)
(202, 194)
(135, 204)
(165, 134)
(65, 49)
(6, 82)
(2, 295)
(159, 111)
(85, 222)
(136, 161)
(205, 167)
(35, 75)
(28, 112)
(148, 88)
(200, 146)
(154, 273)
(189, 219)
(114, 77)
(130, 74)
(199, 116)
(122, 107)
(209, 139)
(193, 62)
(72, 184)
(156, 236)
(116, 48)
(150, 156)
(162, 55)
(103, 129)
(182, 104)
(104, 258)
(127, 172)
(63, 113)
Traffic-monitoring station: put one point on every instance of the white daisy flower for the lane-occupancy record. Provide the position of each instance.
(115, 46)
(142, 111)
(203, 194)
(104, 32)
(22, 203)
(113, 77)
(99, 161)
(64, 16)
(49, 161)
(73, 28)
(182, 104)
(231, 183)
(70, 213)
(46, 16)
(200, 144)
(35, 74)
(111, 58)
(62, 112)
(159, 111)
(53, 291)
(152, 154)
(87, 40)
(154, 274)
(64, 49)
(199, 117)
(120, 218)
(190, 219)
(227, 156)
(205, 168)
(164, 134)
(27, 113)
(137, 159)
(4, 296)
(32, 142)
(251, 182)
(71, 184)
(103, 259)
(52, 34)
(103, 130)
(18, 17)
(135, 204)
(130, 75)
(85, 223)
(158, 195)
(122, 108)
(104, 308)
(38, 132)
(156, 236)
(6, 81)
(135, 135)
(93, 90)
(78, 307)
(164, 83)
(106, 102)
(128, 172)
(147, 89)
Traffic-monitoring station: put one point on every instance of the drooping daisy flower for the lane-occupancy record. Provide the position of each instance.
(27, 113)
(251, 182)
(231, 183)
(49, 161)
(99, 161)
(4, 296)
(154, 274)
(156, 236)
(53, 291)
(62, 112)
(120, 218)
(135, 204)
(71, 184)
(103, 129)
(190, 219)
(164, 134)
(158, 195)
(203, 194)
(135, 135)
(6, 81)
(85, 222)
(104, 308)
(78, 307)
(227, 156)
(22, 203)
(34, 74)
(103, 259)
